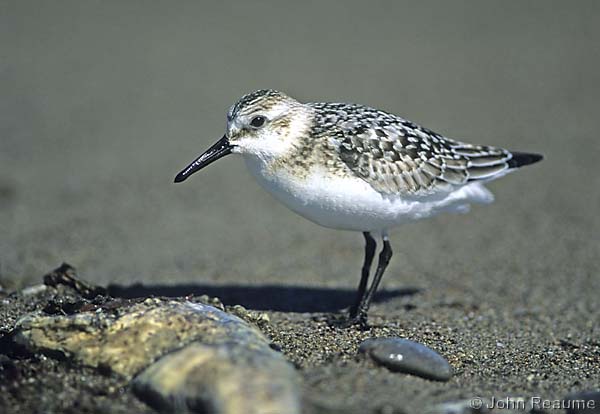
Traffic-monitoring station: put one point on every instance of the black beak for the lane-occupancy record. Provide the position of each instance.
(220, 149)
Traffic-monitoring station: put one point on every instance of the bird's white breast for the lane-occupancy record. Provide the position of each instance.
(350, 203)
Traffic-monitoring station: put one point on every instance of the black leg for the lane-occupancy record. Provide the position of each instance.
(370, 246)
(384, 260)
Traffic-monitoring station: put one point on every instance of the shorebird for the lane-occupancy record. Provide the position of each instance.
(352, 167)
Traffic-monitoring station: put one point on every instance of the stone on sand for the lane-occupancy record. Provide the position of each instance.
(207, 358)
(222, 378)
(407, 356)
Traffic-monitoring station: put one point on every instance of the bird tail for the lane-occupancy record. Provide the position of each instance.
(520, 159)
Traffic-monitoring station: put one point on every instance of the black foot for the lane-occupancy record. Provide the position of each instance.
(345, 321)
(359, 322)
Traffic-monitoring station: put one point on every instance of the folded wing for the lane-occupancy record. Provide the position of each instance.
(396, 156)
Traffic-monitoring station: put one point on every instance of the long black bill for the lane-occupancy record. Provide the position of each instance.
(220, 149)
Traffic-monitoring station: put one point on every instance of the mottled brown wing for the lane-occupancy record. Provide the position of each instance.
(399, 157)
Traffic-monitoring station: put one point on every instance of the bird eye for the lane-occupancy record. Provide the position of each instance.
(258, 121)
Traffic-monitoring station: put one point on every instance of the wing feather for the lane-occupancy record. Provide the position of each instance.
(396, 156)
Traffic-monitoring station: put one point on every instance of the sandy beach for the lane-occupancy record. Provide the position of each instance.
(101, 104)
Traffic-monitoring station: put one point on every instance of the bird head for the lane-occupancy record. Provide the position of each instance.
(265, 124)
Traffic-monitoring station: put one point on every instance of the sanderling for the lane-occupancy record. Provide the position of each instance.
(352, 167)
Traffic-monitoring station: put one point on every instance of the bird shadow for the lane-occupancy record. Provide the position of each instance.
(280, 298)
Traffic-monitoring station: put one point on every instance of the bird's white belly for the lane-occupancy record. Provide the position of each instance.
(348, 203)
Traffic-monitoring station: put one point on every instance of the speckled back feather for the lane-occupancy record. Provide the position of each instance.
(396, 156)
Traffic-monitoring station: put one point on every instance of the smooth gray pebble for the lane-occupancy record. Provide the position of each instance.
(583, 402)
(403, 355)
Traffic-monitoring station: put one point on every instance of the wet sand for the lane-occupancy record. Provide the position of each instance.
(103, 103)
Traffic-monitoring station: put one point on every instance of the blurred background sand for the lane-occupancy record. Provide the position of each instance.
(102, 103)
